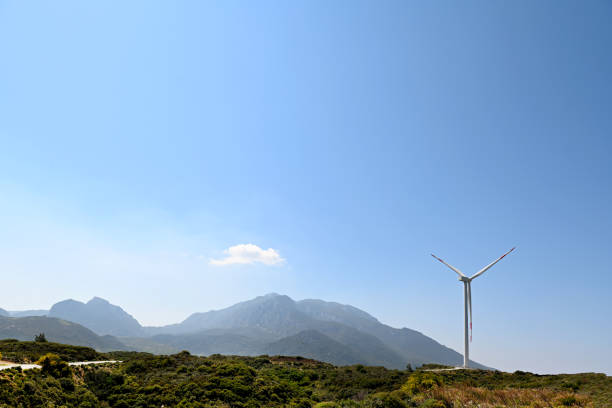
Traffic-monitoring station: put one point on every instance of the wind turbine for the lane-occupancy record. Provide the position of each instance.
(467, 299)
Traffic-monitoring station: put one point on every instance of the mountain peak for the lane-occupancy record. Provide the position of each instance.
(98, 315)
(98, 300)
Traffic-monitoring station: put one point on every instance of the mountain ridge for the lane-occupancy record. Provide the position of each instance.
(267, 323)
(98, 315)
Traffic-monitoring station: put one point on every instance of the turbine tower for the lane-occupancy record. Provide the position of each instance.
(467, 299)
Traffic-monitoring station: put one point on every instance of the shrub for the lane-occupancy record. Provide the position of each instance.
(135, 367)
(67, 384)
(420, 382)
(54, 366)
(433, 403)
(568, 401)
(574, 386)
(391, 401)
(40, 338)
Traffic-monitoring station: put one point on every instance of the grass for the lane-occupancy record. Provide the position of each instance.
(466, 396)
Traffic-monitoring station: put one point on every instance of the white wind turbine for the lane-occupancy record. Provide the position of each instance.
(467, 299)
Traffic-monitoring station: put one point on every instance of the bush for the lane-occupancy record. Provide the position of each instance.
(568, 401)
(433, 403)
(388, 400)
(574, 386)
(54, 366)
(40, 338)
(67, 384)
(420, 382)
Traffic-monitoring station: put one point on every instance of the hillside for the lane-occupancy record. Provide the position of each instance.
(209, 342)
(313, 344)
(56, 330)
(410, 344)
(30, 351)
(186, 381)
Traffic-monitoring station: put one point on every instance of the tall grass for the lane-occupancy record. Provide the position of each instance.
(464, 396)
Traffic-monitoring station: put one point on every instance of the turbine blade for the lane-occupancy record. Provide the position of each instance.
(452, 267)
(469, 289)
(486, 268)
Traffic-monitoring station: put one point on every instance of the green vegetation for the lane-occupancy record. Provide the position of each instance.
(30, 351)
(54, 366)
(186, 381)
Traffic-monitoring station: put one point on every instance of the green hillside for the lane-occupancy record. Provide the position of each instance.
(186, 381)
(57, 330)
(30, 351)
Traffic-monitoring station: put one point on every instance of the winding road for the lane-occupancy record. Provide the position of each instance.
(5, 365)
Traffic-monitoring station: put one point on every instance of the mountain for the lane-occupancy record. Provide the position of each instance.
(213, 341)
(315, 345)
(281, 318)
(4, 312)
(268, 324)
(56, 330)
(412, 345)
(274, 314)
(98, 315)
(276, 317)
(371, 349)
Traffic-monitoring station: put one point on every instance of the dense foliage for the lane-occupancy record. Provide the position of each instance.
(183, 380)
(31, 351)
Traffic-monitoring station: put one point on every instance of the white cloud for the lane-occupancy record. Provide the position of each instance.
(248, 254)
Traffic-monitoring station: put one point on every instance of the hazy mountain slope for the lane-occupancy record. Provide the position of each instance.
(410, 344)
(26, 313)
(315, 345)
(98, 315)
(336, 312)
(147, 345)
(207, 343)
(371, 350)
(270, 313)
(56, 330)
(249, 327)
(4, 312)
(280, 316)
(249, 341)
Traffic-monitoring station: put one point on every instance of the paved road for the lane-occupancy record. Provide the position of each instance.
(76, 363)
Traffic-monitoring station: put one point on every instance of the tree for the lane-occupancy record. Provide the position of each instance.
(40, 338)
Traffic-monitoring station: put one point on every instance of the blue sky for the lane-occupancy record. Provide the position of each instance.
(140, 140)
